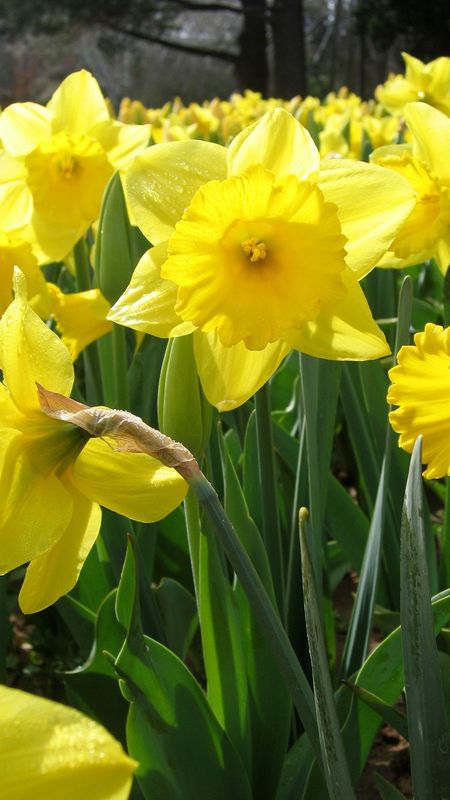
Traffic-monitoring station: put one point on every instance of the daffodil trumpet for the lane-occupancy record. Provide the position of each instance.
(258, 249)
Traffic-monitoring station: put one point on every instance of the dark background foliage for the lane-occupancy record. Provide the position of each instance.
(154, 49)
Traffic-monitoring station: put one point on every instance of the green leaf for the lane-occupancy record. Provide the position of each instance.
(389, 713)
(269, 703)
(222, 645)
(333, 756)
(143, 376)
(428, 728)
(80, 621)
(182, 750)
(346, 523)
(387, 790)
(93, 687)
(178, 615)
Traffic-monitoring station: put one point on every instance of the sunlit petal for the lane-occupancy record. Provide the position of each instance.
(121, 142)
(431, 142)
(23, 126)
(30, 352)
(278, 142)
(372, 204)
(49, 751)
(56, 572)
(77, 104)
(148, 303)
(420, 388)
(35, 508)
(348, 331)
(162, 181)
(133, 484)
(230, 375)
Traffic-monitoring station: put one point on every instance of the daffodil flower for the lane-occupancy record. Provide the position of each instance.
(258, 249)
(419, 387)
(57, 161)
(80, 317)
(427, 83)
(424, 163)
(16, 252)
(49, 751)
(53, 477)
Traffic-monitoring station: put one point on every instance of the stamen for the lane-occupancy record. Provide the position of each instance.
(256, 250)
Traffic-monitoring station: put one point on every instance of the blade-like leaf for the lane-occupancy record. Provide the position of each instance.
(427, 722)
(335, 765)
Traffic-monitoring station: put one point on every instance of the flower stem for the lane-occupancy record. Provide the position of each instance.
(91, 360)
(270, 519)
(120, 367)
(262, 606)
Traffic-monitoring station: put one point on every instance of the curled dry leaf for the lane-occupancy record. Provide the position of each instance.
(126, 431)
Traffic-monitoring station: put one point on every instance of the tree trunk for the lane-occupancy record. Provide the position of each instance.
(251, 64)
(288, 41)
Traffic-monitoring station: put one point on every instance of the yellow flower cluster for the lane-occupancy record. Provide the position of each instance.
(261, 218)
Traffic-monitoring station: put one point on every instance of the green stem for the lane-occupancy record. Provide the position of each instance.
(270, 519)
(82, 267)
(192, 515)
(445, 564)
(91, 360)
(263, 608)
(120, 367)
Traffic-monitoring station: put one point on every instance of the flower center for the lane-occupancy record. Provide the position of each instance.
(66, 176)
(285, 226)
(254, 249)
(64, 164)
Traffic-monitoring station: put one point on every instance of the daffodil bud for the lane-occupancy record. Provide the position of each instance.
(184, 414)
(119, 245)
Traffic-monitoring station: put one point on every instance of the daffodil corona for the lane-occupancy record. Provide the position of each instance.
(53, 477)
(258, 249)
(420, 389)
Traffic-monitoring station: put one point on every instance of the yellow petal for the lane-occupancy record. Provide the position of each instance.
(148, 302)
(276, 141)
(163, 179)
(23, 126)
(15, 252)
(230, 375)
(56, 572)
(431, 132)
(78, 104)
(15, 197)
(420, 388)
(30, 352)
(51, 242)
(80, 316)
(49, 751)
(132, 484)
(35, 508)
(372, 204)
(121, 142)
(347, 332)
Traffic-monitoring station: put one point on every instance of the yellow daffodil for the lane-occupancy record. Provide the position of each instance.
(80, 317)
(58, 159)
(53, 478)
(49, 751)
(15, 252)
(258, 250)
(420, 388)
(428, 83)
(425, 164)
